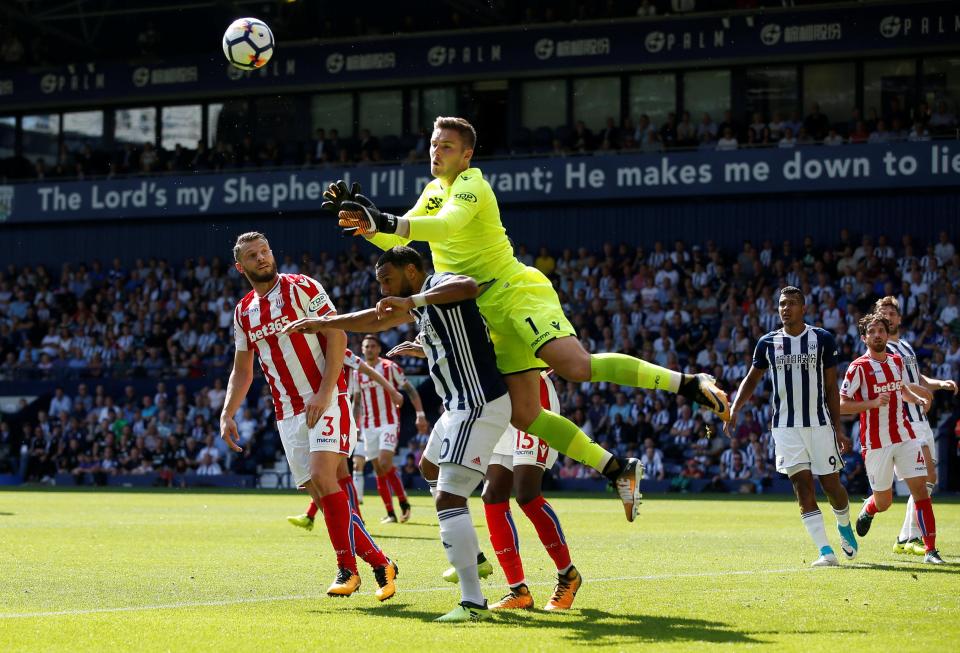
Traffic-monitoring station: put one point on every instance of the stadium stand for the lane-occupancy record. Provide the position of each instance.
(141, 352)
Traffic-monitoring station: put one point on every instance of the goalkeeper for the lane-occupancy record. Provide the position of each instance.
(457, 214)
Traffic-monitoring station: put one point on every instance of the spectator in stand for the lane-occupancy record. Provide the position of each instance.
(727, 141)
(880, 135)
(833, 138)
(582, 138)
(777, 127)
(919, 132)
(610, 134)
(860, 133)
(787, 140)
(706, 127)
(816, 123)
(943, 118)
(687, 131)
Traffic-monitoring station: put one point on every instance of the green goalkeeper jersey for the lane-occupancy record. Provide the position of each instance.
(462, 225)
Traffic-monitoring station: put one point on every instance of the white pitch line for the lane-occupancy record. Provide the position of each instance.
(302, 597)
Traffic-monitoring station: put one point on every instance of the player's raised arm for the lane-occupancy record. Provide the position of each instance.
(365, 320)
(453, 289)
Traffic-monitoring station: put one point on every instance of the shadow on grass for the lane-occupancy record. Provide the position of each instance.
(387, 536)
(916, 568)
(7, 514)
(596, 626)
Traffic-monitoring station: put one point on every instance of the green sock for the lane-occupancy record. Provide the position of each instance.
(634, 372)
(567, 438)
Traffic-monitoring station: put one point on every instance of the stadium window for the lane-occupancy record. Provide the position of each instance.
(40, 136)
(941, 83)
(889, 88)
(182, 125)
(83, 128)
(706, 91)
(437, 102)
(136, 126)
(544, 103)
(332, 111)
(595, 99)
(772, 89)
(381, 112)
(8, 136)
(282, 119)
(833, 87)
(227, 122)
(654, 95)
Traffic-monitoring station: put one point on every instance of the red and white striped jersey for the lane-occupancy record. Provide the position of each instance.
(865, 380)
(293, 365)
(378, 409)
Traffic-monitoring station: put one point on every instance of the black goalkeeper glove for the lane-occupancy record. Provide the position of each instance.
(336, 194)
(361, 217)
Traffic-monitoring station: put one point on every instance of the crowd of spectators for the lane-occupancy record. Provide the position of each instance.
(774, 130)
(689, 308)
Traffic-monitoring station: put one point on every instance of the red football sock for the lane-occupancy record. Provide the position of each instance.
(364, 545)
(506, 544)
(927, 522)
(336, 513)
(871, 506)
(312, 510)
(383, 487)
(346, 484)
(547, 523)
(396, 485)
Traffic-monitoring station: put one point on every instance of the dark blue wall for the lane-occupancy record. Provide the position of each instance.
(727, 221)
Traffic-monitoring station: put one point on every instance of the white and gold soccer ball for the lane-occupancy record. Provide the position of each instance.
(248, 43)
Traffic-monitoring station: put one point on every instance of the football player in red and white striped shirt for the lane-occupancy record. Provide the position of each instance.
(355, 490)
(875, 386)
(305, 375)
(380, 425)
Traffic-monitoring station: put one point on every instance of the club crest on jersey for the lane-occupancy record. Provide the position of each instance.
(278, 301)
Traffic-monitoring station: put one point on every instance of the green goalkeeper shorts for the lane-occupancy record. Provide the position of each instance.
(523, 314)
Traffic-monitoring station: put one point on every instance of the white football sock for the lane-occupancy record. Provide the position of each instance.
(358, 485)
(813, 521)
(460, 543)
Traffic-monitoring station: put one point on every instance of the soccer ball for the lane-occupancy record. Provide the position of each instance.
(248, 43)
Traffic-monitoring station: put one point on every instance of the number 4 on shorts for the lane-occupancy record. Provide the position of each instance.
(920, 460)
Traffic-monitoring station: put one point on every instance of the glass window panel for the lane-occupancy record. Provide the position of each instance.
(227, 122)
(332, 111)
(381, 112)
(8, 135)
(595, 99)
(941, 91)
(654, 95)
(706, 91)
(770, 90)
(415, 120)
(282, 119)
(136, 126)
(544, 103)
(888, 90)
(833, 87)
(182, 126)
(438, 102)
(83, 128)
(40, 135)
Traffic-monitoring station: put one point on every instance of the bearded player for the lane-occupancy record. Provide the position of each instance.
(305, 375)
(875, 387)
(909, 540)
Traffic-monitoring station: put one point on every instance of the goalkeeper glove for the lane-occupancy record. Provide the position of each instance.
(338, 193)
(360, 216)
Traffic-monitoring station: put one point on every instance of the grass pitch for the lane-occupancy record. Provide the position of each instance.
(157, 571)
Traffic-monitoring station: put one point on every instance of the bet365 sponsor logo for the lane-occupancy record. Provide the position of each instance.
(892, 386)
(268, 329)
